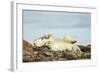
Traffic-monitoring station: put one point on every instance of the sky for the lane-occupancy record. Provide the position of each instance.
(37, 23)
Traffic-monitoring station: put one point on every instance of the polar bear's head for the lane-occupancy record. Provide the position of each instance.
(68, 39)
(43, 41)
(38, 43)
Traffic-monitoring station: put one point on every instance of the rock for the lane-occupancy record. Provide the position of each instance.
(32, 54)
(62, 59)
(69, 55)
(47, 53)
(86, 55)
(88, 46)
(28, 54)
(35, 52)
(26, 45)
(60, 54)
(86, 51)
(85, 48)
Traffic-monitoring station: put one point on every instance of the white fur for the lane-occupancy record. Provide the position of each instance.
(59, 44)
(62, 46)
(67, 38)
(38, 43)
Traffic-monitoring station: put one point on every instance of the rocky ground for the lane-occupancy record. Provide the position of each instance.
(31, 54)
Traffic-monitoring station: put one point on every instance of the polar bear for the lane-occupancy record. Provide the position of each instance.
(66, 43)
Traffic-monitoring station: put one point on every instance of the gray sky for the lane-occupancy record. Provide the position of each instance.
(36, 23)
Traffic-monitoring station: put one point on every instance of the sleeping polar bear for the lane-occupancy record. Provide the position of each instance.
(63, 44)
